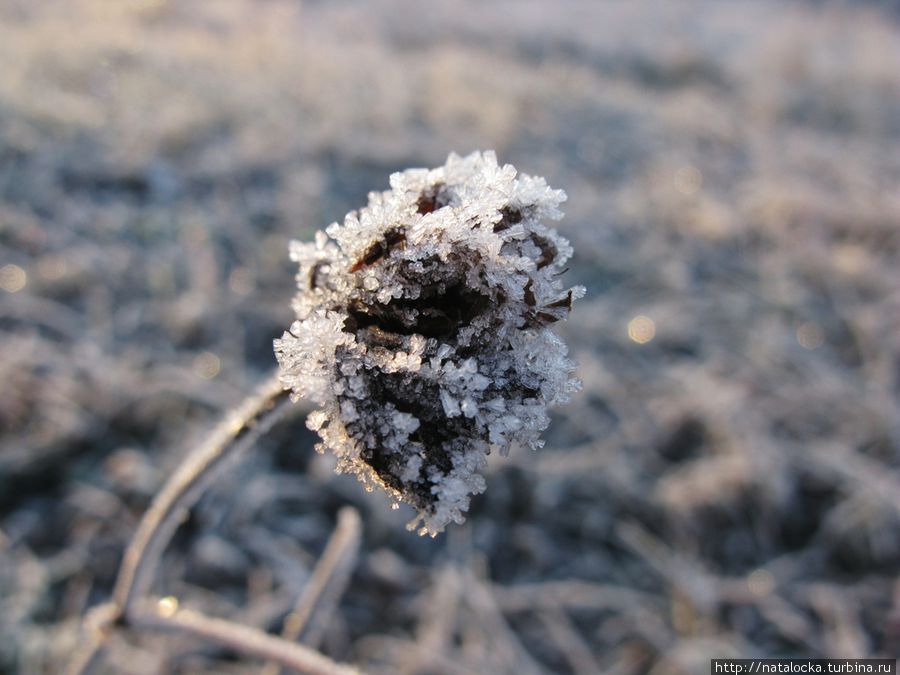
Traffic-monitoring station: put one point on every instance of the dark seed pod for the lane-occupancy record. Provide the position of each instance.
(421, 330)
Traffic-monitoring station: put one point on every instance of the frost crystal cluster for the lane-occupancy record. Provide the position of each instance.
(422, 330)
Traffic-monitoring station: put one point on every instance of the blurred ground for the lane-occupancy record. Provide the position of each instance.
(728, 482)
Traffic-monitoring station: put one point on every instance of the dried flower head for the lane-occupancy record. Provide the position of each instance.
(422, 330)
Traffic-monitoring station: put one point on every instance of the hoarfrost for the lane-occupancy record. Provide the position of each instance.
(422, 330)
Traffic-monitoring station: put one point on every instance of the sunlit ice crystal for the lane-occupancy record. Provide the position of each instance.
(423, 330)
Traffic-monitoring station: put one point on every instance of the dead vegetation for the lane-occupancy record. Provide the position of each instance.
(727, 483)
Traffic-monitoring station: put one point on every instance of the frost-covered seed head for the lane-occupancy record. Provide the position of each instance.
(422, 330)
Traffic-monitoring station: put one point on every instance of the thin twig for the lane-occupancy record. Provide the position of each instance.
(235, 434)
(504, 641)
(227, 441)
(88, 658)
(326, 584)
(571, 644)
(240, 638)
(97, 625)
(397, 650)
(437, 622)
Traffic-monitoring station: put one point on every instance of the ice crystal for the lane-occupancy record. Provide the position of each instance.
(422, 330)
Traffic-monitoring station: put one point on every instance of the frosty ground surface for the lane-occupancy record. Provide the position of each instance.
(726, 484)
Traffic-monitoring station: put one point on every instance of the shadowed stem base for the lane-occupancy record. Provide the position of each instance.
(239, 431)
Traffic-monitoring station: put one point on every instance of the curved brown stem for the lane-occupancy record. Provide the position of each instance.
(228, 440)
(240, 638)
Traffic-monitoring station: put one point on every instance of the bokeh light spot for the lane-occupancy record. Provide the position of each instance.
(167, 606)
(207, 365)
(688, 180)
(12, 278)
(761, 582)
(810, 335)
(52, 267)
(641, 329)
(240, 281)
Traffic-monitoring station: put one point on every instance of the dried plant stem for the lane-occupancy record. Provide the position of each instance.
(243, 639)
(437, 626)
(504, 642)
(97, 625)
(571, 644)
(325, 586)
(227, 441)
(236, 433)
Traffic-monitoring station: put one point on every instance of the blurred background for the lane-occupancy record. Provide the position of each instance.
(727, 483)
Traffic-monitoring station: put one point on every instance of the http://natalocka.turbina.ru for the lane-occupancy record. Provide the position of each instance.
(422, 330)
